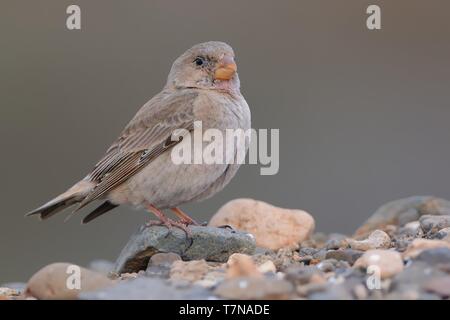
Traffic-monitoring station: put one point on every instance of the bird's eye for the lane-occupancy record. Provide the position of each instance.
(199, 61)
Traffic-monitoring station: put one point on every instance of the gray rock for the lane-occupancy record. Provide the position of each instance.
(320, 255)
(348, 255)
(414, 277)
(336, 241)
(443, 234)
(439, 286)
(164, 259)
(400, 211)
(435, 256)
(148, 289)
(209, 243)
(432, 224)
(160, 263)
(329, 265)
(307, 251)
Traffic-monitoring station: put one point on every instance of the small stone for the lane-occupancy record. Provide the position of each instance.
(432, 224)
(389, 262)
(51, 282)
(330, 265)
(326, 265)
(435, 256)
(246, 288)
(273, 227)
(208, 243)
(190, 271)
(129, 275)
(378, 239)
(267, 267)
(348, 255)
(160, 264)
(336, 241)
(419, 245)
(390, 213)
(285, 258)
(439, 286)
(320, 255)
(444, 234)
(242, 265)
(413, 229)
(307, 251)
(164, 260)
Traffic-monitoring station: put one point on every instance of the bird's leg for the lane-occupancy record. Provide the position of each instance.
(163, 220)
(184, 218)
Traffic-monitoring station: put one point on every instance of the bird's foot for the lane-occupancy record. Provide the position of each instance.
(170, 224)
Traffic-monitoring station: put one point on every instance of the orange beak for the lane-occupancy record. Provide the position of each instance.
(226, 69)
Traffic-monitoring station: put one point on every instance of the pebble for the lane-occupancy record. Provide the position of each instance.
(164, 260)
(50, 282)
(390, 213)
(378, 239)
(443, 234)
(242, 265)
(274, 228)
(336, 241)
(419, 245)
(160, 264)
(389, 262)
(190, 271)
(348, 255)
(411, 229)
(330, 265)
(432, 224)
(267, 267)
(435, 256)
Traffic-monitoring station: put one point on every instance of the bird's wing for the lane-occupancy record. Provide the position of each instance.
(147, 136)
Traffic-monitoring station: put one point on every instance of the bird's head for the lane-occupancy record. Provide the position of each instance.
(208, 65)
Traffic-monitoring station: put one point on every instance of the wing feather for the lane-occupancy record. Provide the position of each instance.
(147, 136)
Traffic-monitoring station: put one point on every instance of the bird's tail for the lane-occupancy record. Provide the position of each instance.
(74, 195)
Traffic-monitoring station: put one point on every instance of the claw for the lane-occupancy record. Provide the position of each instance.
(169, 223)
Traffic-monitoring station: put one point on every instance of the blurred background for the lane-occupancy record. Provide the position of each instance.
(364, 116)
